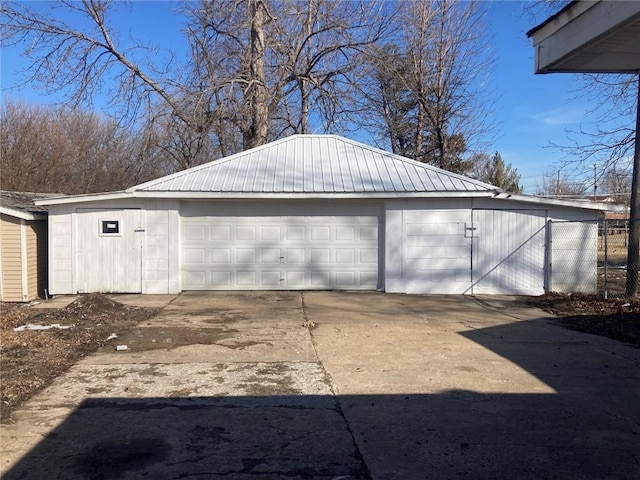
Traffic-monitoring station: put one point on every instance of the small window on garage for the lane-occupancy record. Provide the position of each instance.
(110, 227)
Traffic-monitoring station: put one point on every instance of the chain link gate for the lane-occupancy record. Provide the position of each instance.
(588, 256)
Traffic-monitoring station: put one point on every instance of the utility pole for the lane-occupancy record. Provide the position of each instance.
(633, 252)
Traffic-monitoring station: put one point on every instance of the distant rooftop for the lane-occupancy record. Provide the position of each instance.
(23, 201)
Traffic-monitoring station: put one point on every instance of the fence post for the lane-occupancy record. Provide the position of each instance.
(547, 273)
(606, 255)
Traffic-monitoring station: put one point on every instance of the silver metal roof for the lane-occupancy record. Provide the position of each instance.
(314, 164)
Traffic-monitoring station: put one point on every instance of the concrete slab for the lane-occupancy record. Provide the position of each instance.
(130, 439)
(58, 301)
(147, 301)
(186, 380)
(230, 385)
(457, 386)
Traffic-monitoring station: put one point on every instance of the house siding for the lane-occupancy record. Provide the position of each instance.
(513, 263)
(40, 259)
(32, 259)
(11, 255)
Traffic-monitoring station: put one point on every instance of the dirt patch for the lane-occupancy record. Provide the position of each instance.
(165, 338)
(31, 359)
(616, 318)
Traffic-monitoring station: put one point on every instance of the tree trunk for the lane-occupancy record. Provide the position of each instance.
(257, 95)
(633, 253)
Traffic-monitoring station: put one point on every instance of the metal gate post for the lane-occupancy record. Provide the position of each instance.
(606, 255)
(547, 252)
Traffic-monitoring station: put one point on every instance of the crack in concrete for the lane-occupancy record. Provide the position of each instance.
(338, 406)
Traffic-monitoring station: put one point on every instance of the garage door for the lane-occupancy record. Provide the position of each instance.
(271, 253)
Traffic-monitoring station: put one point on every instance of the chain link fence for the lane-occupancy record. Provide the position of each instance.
(588, 257)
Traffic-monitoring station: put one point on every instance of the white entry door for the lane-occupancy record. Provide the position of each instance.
(279, 252)
(109, 250)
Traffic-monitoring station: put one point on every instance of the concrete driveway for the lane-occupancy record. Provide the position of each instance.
(233, 386)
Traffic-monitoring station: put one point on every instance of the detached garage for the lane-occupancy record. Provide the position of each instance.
(316, 212)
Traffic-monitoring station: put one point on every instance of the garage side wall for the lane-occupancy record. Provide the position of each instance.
(161, 258)
(160, 247)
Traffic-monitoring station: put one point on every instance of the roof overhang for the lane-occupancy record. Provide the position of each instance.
(109, 196)
(22, 214)
(589, 37)
(92, 197)
(498, 195)
(544, 201)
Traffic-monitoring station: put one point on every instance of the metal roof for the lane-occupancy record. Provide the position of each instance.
(314, 164)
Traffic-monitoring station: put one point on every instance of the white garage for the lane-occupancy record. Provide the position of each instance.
(317, 212)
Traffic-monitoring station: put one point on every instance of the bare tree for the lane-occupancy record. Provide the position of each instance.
(612, 137)
(257, 69)
(559, 185)
(303, 57)
(617, 183)
(606, 137)
(76, 50)
(423, 88)
(57, 150)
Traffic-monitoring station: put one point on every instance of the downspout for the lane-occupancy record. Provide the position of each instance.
(548, 256)
(24, 268)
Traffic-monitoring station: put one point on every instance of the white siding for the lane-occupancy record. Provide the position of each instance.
(423, 245)
(61, 255)
(109, 262)
(161, 259)
(437, 251)
(394, 248)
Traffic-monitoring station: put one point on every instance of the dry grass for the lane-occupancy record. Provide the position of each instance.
(31, 359)
(616, 252)
(615, 318)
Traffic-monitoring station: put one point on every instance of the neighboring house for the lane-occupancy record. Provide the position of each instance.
(317, 212)
(23, 246)
(589, 37)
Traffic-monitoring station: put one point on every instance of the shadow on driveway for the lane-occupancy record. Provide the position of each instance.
(588, 429)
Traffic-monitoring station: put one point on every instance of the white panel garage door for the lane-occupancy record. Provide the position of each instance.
(287, 252)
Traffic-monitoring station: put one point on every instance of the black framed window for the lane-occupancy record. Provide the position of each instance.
(111, 227)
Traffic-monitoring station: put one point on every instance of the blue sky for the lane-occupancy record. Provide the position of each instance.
(530, 110)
